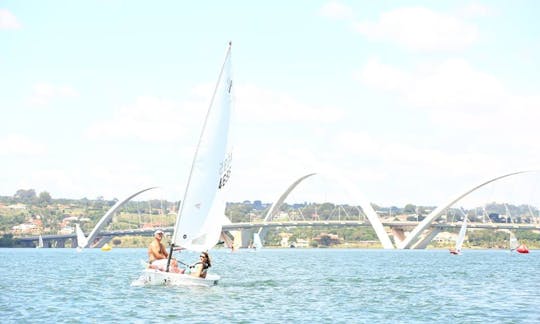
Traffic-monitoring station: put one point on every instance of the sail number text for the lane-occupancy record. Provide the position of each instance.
(225, 171)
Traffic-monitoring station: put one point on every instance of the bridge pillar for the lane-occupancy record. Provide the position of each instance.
(424, 242)
(398, 233)
(60, 243)
(247, 238)
(102, 241)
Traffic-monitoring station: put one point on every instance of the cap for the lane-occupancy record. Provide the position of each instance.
(158, 232)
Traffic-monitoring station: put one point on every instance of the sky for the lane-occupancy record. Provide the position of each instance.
(410, 101)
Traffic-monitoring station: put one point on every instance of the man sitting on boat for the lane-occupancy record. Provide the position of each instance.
(157, 254)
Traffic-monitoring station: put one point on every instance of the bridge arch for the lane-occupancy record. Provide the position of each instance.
(364, 203)
(108, 215)
(274, 208)
(414, 235)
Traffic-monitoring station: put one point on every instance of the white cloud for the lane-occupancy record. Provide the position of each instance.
(8, 20)
(44, 93)
(456, 94)
(89, 180)
(452, 84)
(336, 10)
(158, 119)
(149, 119)
(475, 127)
(476, 10)
(420, 29)
(264, 105)
(20, 145)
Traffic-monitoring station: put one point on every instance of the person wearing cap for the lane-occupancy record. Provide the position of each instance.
(157, 254)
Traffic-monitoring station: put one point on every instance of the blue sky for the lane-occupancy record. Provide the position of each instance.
(412, 101)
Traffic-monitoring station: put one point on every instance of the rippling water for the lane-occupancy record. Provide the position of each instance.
(275, 285)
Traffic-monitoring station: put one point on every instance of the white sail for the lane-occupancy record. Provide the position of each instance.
(82, 241)
(461, 235)
(257, 244)
(199, 219)
(513, 242)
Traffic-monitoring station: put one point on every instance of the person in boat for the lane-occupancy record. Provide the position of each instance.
(201, 267)
(157, 254)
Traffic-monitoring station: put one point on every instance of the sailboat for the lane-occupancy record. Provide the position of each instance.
(199, 220)
(40, 242)
(257, 244)
(460, 238)
(515, 246)
(82, 241)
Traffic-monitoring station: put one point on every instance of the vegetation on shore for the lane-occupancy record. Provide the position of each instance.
(27, 206)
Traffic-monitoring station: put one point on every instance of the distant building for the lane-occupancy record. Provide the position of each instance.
(445, 237)
(285, 239)
(301, 243)
(16, 206)
(66, 230)
(327, 239)
(152, 225)
(34, 226)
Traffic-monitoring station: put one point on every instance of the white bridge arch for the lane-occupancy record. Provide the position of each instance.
(364, 203)
(414, 235)
(411, 240)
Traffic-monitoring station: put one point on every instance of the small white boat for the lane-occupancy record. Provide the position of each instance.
(40, 242)
(152, 277)
(257, 244)
(199, 220)
(461, 237)
(82, 241)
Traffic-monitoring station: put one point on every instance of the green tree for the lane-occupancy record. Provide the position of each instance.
(7, 240)
(44, 198)
(409, 208)
(25, 196)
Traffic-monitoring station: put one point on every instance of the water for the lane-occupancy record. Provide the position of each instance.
(274, 286)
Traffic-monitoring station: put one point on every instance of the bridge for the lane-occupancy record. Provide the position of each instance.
(419, 235)
(60, 241)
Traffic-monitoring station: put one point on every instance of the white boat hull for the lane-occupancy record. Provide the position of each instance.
(152, 277)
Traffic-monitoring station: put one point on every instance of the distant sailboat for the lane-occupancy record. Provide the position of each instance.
(513, 242)
(82, 241)
(40, 242)
(460, 238)
(257, 244)
(515, 246)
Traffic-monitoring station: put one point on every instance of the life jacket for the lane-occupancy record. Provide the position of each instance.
(204, 270)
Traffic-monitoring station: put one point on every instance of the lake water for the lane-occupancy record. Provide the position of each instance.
(275, 286)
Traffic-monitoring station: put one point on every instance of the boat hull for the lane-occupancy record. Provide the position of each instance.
(152, 277)
(522, 249)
